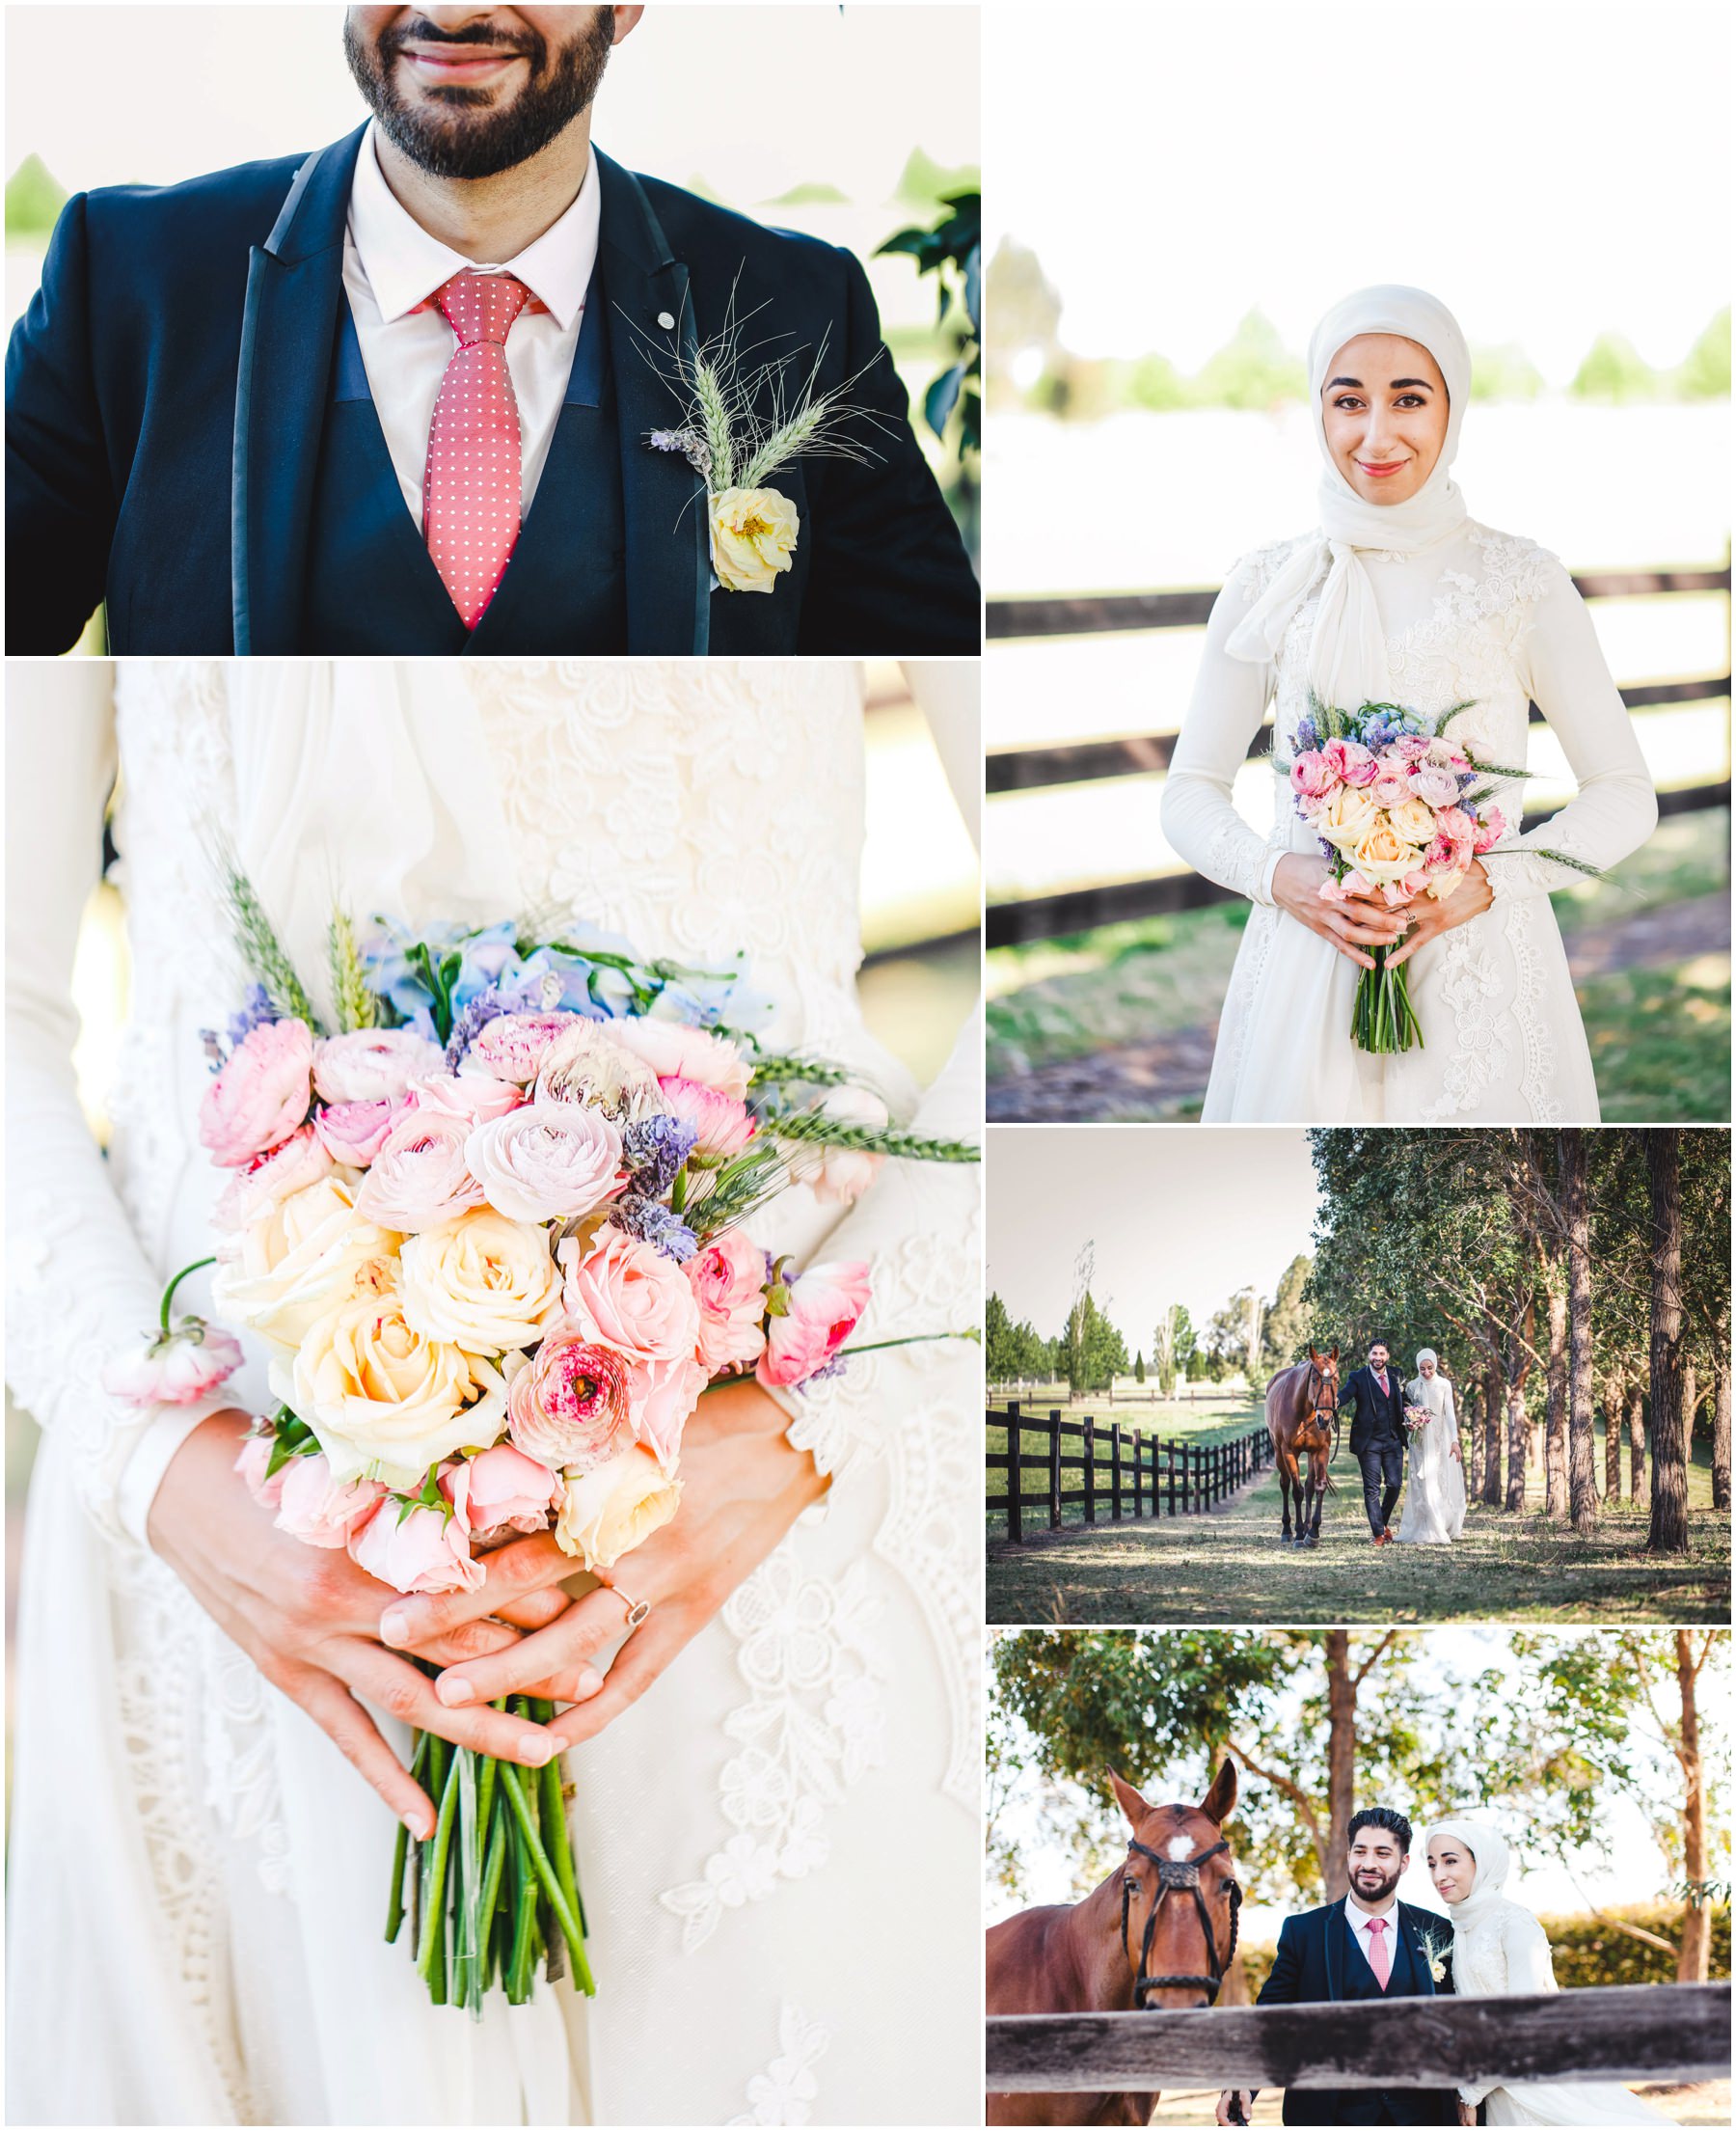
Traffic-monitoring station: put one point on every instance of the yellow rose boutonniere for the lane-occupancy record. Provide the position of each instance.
(753, 535)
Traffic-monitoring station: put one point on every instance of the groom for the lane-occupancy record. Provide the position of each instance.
(395, 397)
(1368, 1944)
(1376, 1399)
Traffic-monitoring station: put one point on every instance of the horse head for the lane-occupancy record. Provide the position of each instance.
(1180, 1896)
(1322, 1391)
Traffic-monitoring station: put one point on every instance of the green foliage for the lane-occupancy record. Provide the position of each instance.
(1705, 373)
(951, 251)
(1013, 1353)
(924, 182)
(1252, 369)
(1615, 370)
(1288, 1322)
(33, 199)
(1139, 1375)
(1505, 372)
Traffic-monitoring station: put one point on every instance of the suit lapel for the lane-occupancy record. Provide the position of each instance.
(666, 529)
(295, 286)
(1423, 1978)
(1335, 1973)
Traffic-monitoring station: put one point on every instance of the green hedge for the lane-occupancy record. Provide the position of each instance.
(1586, 1950)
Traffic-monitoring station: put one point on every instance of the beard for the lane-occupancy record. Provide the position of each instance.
(1385, 1882)
(456, 132)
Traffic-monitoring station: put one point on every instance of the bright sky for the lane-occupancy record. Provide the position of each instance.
(1636, 1870)
(1177, 1215)
(1550, 172)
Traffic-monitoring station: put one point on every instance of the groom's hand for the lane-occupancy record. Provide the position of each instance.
(1243, 2100)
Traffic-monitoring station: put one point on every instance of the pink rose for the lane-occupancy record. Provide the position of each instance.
(1350, 762)
(1389, 789)
(1436, 787)
(1341, 891)
(256, 1455)
(419, 1177)
(319, 1509)
(476, 1097)
(271, 1178)
(354, 1132)
(174, 1371)
(502, 1491)
(371, 1065)
(424, 1550)
(661, 1395)
(629, 1296)
(825, 1305)
(674, 1052)
(1411, 747)
(568, 1406)
(547, 1162)
(260, 1096)
(1312, 776)
(1489, 830)
(511, 1046)
(728, 1279)
(720, 1123)
(1455, 825)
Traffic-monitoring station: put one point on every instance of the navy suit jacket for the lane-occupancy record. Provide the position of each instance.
(1372, 1417)
(167, 386)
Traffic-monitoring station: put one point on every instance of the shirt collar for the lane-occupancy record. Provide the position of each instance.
(1354, 1910)
(404, 264)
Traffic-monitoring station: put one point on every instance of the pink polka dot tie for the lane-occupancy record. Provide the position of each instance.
(1380, 1953)
(471, 491)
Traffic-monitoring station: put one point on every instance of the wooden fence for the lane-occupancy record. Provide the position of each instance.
(1143, 754)
(1142, 1476)
(1645, 2031)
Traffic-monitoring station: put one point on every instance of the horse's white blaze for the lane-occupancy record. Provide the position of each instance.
(1181, 1846)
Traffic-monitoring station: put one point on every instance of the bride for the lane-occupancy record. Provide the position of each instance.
(1401, 597)
(1498, 1951)
(1434, 1504)
(775, 1792)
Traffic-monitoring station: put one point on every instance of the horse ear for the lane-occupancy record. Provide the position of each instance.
(1219, 1802)
(1128, 1799)
(1334, 1355)
(1315, 1354)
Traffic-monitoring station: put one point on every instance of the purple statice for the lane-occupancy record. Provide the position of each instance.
(655, 1224)
(654, 1149)
(255, 1010)
(1308, 733)
(485, 1007)
(826, 1371)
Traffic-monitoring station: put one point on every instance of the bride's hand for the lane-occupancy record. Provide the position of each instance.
(742, 1486)
(1466, 2113)
(309, 1619)
(1352, 926)
(1428, 919)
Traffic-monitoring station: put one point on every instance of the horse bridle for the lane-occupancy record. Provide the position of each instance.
(1174, 1873)
(1315, 1371)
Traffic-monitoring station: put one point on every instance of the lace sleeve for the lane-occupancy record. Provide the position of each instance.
(1615, 808)
(917, 1227)
(1228, 701)
(77, 1282)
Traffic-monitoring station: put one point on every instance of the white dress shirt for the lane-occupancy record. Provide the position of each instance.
(391, 265)
(1359, 1918)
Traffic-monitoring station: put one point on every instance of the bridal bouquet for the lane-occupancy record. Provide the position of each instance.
(1400, 811)
(489, 1231)
(1417, 1418)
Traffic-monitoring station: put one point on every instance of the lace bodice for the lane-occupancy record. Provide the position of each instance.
(1504, 1955)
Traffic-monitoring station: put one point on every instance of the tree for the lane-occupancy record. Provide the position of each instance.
(999, 1358)
(1172, 1347)
(1705, 374)
(1289, 1319)
(1576, 1209)
(1668, 1533)
(1615, 369)
(1139, 1366)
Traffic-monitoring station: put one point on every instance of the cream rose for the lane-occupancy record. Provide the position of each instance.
(383, 1400)
(614, 1509)
(298, 1259)
(1413, 822)
(1383, 855)
(1348, 814)
(483, 1282)
(754, 533)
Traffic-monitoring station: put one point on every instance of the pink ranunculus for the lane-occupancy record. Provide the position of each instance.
(548, 1162)
(1351, 763)
(825, 1305)
(1436, 787)
(373, 1065)
(1414, 881)
(256, 1455)
(477, 1097)
(1489, 830)
(661, 1397)
(504, 1490)
(568, 1406)
(728, 1279)
(629, 1296)
(319, 1509)
(354, 1132)
(419, 1177)
(174, 1371)
(1437, 858)
(1455, 825)
(1312, 776)
(674, 1052)
(1334, 891)
(1395, 894)
(1412, 747)
(260, 1096)
(511, 1046)
(720, 1123)
(290, 1165)
(421, 1551)
(1390, 788)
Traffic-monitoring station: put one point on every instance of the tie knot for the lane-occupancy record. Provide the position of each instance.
(1378, 1923)
(480, 307)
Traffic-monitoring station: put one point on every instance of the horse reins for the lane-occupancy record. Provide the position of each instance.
(1174, 1873)
(1315, 1372)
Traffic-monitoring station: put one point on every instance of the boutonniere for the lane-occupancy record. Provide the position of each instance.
(738, 426)
(1434, 1955)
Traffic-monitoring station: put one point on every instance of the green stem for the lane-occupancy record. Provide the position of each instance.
(912, 1339)
(545, 1874)
(168, 1291)
(434, 1906)
(555, 1822)
(524, 1926)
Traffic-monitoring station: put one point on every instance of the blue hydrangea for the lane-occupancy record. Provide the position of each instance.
(655, 1149)
(655, 1224)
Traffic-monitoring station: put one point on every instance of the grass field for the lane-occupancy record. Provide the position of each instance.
(1213, 1419)
(1230, 1567)
(1706, 2101)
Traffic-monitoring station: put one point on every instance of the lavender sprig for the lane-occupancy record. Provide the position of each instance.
(655, 1150)
(485, 1007)
(655, 1224)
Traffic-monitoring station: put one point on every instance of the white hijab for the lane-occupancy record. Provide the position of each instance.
(1430, 1391)
(1347, 666)
(1493, 1860)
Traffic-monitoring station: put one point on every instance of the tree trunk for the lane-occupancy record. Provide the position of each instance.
(1637, 1440)
(1473, 1419)
(1554, 1444)
(1494, 1406)
(1612, 1436)
(1694, 1962)
(1581, 1452)
(1720, 1432)
(1668, 1533)
(1340, 1760)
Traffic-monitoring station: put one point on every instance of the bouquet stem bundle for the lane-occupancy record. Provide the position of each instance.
(1381, 1018)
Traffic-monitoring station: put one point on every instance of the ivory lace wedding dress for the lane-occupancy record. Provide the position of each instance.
(778, 1841)
(1475, 614)
(1434, 1494)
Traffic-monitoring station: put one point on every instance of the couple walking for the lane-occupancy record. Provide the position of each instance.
(1388, 1419)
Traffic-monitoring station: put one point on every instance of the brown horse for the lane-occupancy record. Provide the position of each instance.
(1159, 1933)
(1301, 1410)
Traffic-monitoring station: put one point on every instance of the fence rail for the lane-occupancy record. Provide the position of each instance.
(1142, 1476)
(1643, 2030)
(1149, 753)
